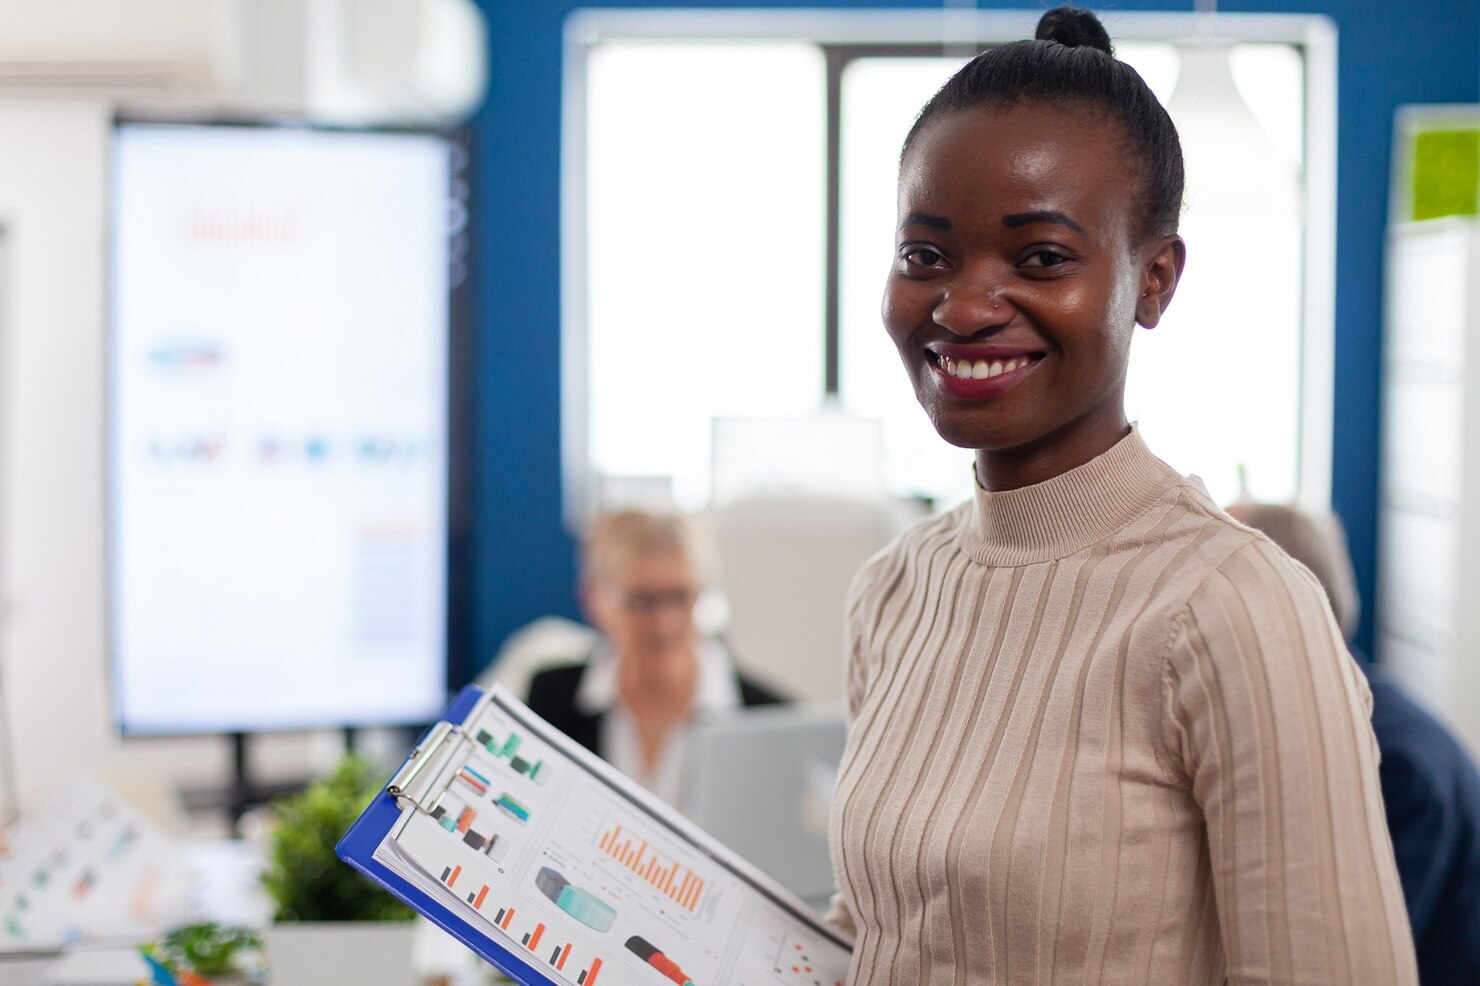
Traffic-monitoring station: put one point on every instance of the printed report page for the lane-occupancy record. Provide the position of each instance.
(585, 877)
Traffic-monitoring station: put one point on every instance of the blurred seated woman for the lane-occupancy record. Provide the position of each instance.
(632, 700)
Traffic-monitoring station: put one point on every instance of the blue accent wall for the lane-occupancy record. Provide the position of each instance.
(1391, 52)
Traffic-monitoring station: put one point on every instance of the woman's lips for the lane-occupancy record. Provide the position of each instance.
(979, 379)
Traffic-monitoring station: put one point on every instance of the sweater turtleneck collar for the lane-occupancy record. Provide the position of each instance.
(1071, 511)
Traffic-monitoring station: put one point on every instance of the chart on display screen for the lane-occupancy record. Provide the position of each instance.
(579, 876)
(278, 427)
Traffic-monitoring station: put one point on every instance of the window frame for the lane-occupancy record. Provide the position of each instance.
(846, 35)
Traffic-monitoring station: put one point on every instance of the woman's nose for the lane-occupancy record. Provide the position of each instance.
(966, 309)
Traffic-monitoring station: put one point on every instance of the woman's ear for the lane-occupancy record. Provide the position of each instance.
(1160, 273)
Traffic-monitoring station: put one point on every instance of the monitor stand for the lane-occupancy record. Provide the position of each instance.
(245, 794)
(240, 794)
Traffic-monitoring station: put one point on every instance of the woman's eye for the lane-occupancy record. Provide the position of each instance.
(922, 257)
(1044, 258)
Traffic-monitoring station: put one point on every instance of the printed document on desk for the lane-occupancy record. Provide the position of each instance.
(558, 869)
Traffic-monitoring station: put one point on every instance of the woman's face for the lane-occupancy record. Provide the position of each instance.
(646, 610)
(1019, 277)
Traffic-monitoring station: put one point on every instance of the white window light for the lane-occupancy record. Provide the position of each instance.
(1288, 357)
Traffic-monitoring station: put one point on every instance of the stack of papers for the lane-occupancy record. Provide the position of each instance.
(89, 869)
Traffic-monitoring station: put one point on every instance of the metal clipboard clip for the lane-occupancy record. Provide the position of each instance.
(425, 753)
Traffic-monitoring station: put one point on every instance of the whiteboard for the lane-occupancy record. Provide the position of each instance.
(277, 427)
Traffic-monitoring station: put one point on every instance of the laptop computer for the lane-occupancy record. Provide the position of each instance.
(761, 781)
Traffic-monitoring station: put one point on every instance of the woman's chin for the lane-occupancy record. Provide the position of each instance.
(968, 431)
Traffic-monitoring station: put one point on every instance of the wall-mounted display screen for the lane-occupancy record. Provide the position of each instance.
(277, 427)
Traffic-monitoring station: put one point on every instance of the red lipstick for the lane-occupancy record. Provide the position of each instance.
(946, 362)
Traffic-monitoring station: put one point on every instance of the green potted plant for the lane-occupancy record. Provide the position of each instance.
(331, 924)
(205, 954)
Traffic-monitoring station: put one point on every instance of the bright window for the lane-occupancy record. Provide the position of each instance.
(705, 246)
(707, 260)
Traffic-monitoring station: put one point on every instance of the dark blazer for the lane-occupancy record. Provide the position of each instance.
(1431, 791)
(552, 695)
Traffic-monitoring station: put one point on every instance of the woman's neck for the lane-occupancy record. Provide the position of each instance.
(658, 699)
(1052, 455)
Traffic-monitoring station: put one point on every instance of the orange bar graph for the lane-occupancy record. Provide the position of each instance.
(534, 939)
(560, 963)
(670, 879)
(452, 880)
(595, 968)
(478, 904)
(507, 918)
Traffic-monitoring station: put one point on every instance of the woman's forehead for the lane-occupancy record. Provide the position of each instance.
(1029, 154)
(659, 564)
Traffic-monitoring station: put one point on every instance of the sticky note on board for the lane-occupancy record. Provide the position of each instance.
(1446, 173)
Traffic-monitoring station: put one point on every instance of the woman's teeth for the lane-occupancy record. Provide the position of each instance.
(983, 368)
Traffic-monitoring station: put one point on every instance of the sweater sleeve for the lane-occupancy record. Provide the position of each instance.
(859, 612)
(1268, 719)
(855, 683)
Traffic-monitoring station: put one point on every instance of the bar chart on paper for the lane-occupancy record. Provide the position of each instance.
(670, 878)
(528, 931)
(554, 871)
(534, 941)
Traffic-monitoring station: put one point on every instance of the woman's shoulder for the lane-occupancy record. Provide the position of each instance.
(1208, 553)
(1240, 580)
(552, 691)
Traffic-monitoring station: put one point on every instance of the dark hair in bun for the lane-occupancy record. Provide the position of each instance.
(1074, 28)
(1071, 63)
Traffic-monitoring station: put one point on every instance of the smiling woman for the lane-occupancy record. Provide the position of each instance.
(1099, 732)
(993, 266)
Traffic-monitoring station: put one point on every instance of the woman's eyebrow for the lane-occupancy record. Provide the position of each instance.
(926, 219)
(1016, 219)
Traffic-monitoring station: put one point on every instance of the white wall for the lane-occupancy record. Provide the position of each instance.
(425, 64)
(53, 681)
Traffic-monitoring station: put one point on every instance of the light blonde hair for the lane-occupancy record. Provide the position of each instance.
(617, 539)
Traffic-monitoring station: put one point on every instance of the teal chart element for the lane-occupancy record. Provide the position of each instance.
(510, 807)
(508, 750)
(580, 904)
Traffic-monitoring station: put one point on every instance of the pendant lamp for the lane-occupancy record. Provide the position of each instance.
(1233, 168)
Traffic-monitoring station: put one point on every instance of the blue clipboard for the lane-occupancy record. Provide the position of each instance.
(358, 846)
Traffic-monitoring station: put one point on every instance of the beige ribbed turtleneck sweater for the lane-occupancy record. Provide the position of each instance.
(1101, 733)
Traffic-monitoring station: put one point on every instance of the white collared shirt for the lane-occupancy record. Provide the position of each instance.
(621, 745)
